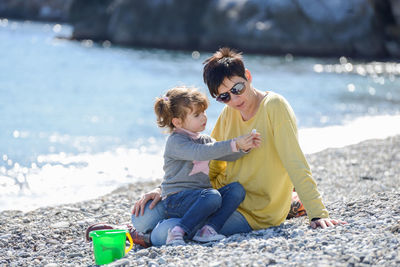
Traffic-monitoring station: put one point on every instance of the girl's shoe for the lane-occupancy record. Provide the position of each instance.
(207, 234)
(175, 237)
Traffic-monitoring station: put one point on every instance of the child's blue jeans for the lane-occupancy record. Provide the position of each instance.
(204, 206)
(156, 219)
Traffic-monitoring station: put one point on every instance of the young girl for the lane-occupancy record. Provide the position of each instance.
(186, 188)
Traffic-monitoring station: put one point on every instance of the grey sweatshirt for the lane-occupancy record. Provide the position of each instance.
(180, 152)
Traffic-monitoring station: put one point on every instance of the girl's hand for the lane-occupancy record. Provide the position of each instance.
(154, 195)
(248, 141)
(325, 222)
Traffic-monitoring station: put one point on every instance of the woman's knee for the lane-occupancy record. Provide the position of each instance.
(146, 222)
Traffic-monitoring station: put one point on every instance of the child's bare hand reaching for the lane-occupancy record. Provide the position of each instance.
(248, 141)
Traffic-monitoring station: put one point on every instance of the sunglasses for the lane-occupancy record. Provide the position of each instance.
(237, 89)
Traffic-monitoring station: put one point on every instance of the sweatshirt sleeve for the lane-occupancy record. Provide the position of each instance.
(293, 159)
(232, 157)
(183, 148)
(218, 167)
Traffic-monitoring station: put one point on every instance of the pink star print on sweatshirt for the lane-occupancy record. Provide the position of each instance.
(198, 166)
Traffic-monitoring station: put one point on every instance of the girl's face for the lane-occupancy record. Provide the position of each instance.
(195, 121)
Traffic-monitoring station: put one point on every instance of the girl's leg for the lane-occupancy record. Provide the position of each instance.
(160, 232)
(232, 195)
(235, 224)
(194, 206)
(151, 217)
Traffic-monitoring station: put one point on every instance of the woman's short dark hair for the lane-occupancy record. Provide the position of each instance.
(225, 63)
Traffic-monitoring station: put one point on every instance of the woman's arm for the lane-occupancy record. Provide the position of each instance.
(216, 168)
(287, 145)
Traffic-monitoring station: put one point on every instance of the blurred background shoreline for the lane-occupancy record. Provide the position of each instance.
(76, 112)
(366, 29)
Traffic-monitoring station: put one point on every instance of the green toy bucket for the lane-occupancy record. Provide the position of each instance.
(109, 245)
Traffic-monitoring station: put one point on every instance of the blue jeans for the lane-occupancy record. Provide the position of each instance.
(157, 219)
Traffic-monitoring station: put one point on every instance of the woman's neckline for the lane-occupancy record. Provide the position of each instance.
(266, 93)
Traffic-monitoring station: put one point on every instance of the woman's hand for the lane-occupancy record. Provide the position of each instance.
(154, 195)
(325, 222)
(248, 141)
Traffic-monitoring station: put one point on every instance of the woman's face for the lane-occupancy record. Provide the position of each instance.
(239, 102)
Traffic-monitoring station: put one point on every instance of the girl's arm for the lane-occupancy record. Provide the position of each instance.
(233, 157)
(182, 147)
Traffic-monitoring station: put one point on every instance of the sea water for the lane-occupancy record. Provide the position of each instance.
(77, 120)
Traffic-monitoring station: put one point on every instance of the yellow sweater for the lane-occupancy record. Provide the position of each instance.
(268, 173)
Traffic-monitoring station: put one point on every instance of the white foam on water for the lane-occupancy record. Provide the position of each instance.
(371, 127)
(71, 178)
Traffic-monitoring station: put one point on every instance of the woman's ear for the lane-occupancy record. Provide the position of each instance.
(177, 122)
(247, 74)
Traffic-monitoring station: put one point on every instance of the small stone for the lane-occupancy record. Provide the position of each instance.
(162, 261)
(95, 207)
(143, 252)
(24, 255)
(74, 255)
(72, 209)
(61, 224)
(120, 263)
(152, 264)
(53, 241)
(153, 255)
(6, 236)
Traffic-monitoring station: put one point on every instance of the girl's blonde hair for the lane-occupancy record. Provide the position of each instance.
(176, 103)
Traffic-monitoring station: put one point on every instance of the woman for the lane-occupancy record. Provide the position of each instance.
(268, 174)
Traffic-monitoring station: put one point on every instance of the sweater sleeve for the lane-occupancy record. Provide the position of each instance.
(183, 148)
(217, 167)
(232, 157)
(293, 159)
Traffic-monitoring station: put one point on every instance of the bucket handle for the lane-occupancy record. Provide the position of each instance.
(128, 235)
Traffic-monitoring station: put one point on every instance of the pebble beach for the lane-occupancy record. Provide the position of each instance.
(359, 184)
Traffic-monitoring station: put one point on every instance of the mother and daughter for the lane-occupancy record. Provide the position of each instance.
(239, 179)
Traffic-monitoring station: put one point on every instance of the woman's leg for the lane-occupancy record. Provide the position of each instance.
(235, 224)
(296, 208)
(232, 195)
(146, 222)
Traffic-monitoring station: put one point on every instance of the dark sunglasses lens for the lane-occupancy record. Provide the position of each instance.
(237, 89)
(225, 97)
